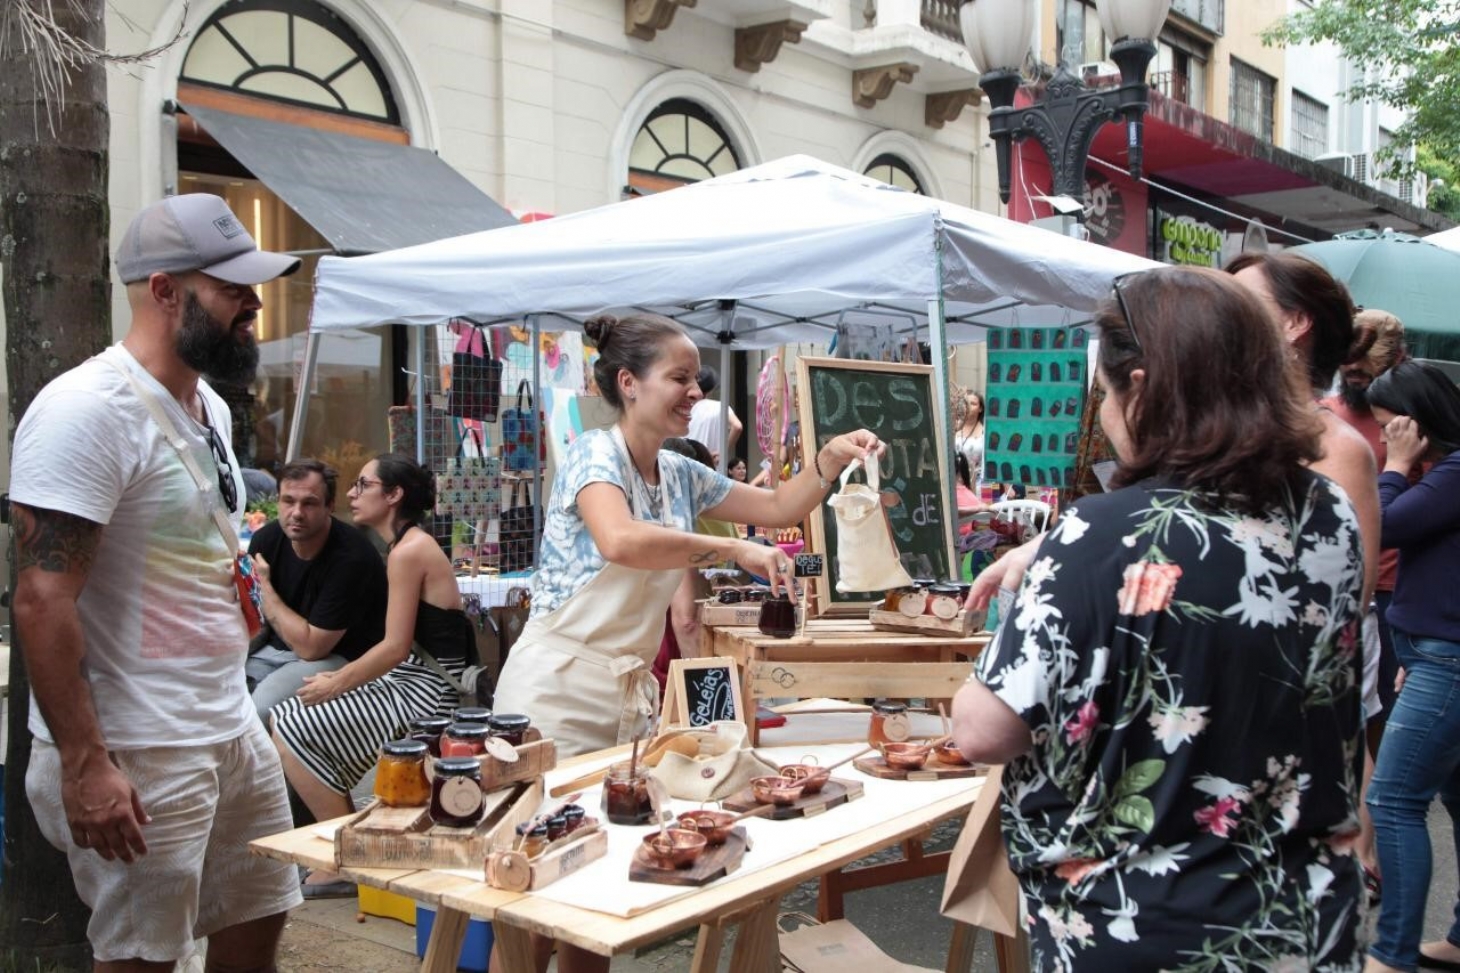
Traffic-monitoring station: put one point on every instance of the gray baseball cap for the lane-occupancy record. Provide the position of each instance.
(196, 231)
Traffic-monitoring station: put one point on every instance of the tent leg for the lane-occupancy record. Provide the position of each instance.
(420, 366)
(301, 397)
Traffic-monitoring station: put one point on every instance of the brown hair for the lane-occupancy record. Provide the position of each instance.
(1303, 286)
(1378, 341)
(633, 343)
(301, 469)
(1219, 410)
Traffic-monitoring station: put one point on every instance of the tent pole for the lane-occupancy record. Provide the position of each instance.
(301, 397)
(727, 324)
(536, 346)
(420, 366)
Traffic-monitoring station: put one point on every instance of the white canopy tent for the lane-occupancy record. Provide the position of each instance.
(1449, 239)
(778, 253)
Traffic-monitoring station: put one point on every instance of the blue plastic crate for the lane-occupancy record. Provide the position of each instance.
(476, 948)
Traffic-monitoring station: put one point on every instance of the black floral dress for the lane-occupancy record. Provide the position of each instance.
(1190, 675)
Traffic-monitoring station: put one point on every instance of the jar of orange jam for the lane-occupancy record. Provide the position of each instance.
(400, 774)
(889, 724)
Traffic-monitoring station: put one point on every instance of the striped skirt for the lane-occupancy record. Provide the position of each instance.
(338, 741)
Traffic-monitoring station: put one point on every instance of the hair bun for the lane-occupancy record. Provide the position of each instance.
(599, 329)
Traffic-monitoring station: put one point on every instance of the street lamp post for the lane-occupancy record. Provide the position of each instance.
(1066, 120)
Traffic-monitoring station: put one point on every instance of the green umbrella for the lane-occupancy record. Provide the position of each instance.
(1410, 278)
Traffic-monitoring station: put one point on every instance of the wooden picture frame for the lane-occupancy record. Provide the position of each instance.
(900, 403)
(691, 699)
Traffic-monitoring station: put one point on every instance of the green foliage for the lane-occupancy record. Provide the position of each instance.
(1444, 181)
(1410, 53)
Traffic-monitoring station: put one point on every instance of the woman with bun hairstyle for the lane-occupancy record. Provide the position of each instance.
(330, 733)
(618, 532)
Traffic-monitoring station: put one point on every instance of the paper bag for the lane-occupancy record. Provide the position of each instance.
(980, 889)
(866, 553)
(836, 947)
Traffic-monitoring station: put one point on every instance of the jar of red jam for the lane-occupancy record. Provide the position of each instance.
(573, 816)
(778, 617)
(626, 796)
(456, 792)
(511, 727)
(428, 730)
(464, 740)
(557, 826)
(889, 724)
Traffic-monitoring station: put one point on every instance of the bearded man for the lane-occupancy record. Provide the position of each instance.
(150, 768)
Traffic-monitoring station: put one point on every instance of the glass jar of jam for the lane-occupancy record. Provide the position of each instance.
(557, 826)
(471, 714)
(573, 816)
(400, 774)
(428, 730)
(889, 724)
(626, 797)
(456, 792)
(943, 601)
(778, 617)
(511, 727)
(754, 595)
(464, 740)
(531, 840)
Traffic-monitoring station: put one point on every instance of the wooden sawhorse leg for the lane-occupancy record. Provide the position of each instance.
(447, 932)
(1011, 952)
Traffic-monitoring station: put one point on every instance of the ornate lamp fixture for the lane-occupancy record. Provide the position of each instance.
(998, 33)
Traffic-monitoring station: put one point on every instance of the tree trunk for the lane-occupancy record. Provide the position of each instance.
(54, 220)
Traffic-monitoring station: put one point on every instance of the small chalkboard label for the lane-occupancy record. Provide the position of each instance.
(808, 565)
(701, 691)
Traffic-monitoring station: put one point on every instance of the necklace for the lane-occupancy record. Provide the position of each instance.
(652, 490)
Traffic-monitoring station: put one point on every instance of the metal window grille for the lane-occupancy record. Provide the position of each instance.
(1252, 100)
(1310, 126)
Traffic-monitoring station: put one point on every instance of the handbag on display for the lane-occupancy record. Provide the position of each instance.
(866, 556)
(523, 446)
(441, 439)
(517, 535)
(476, 379)
(724, 765)
(470, 487)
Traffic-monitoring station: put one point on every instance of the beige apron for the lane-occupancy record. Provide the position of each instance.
(582, 671)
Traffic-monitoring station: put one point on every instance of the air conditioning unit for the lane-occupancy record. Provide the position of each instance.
(1092, 71)
(1362, 170)
(1340, 162)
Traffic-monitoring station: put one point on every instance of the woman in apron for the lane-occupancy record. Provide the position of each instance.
(618, 533)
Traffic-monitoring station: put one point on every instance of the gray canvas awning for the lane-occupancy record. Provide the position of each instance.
(362, 195)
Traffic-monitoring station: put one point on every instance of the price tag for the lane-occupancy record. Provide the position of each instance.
(809, 565)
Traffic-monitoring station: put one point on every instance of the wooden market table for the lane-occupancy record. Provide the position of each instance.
(844, 658)
(751, 900)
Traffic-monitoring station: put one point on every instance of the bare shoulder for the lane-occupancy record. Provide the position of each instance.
(55, 542)
(1346, 454)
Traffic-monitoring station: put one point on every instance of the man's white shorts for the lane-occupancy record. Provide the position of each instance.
(207, 803)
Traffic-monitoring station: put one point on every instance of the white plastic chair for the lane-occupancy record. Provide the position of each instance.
(1032, 513)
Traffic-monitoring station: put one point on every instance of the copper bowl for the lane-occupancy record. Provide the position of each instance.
(811, 777)
(906, 756)
(675, 848)
(948, 753)
(776, 790)
(714, 825)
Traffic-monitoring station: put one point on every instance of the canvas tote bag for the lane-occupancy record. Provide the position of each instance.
(866, 553)
(980, 889)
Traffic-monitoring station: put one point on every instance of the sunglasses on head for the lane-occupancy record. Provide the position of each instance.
(1117, 287)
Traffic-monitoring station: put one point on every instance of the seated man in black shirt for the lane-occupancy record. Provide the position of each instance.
(323, 584)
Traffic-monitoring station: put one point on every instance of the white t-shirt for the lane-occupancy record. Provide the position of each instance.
(705, 425)
(165, 639)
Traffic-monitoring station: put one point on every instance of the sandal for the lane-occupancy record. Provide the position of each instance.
(339, 889)
(1374, 886)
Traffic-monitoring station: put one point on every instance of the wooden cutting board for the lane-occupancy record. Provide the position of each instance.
(717, 862)
(874, 766)
(833, 793)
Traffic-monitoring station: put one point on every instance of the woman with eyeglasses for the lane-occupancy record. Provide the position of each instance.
(1418, 407)
(330, 733)
(1174, 695)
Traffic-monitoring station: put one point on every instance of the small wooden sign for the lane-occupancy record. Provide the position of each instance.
(699, 692)
(809, 565)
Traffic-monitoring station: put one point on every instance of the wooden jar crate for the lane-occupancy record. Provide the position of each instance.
(963, 625)
(404, 837)
(534, 759)
(515, 872)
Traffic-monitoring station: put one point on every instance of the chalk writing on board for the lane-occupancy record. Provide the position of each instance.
(710, 695)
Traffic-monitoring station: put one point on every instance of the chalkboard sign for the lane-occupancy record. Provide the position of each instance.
(898, 403)
(699, 692)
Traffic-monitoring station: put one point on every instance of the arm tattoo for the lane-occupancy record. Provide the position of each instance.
(54, 541)
(704, 557)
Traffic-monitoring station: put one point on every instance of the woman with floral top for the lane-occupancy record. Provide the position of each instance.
(1175, 695)
(1419, 408)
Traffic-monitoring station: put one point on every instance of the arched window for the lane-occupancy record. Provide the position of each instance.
(893, 169)
(679, 143)
(290, 50)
